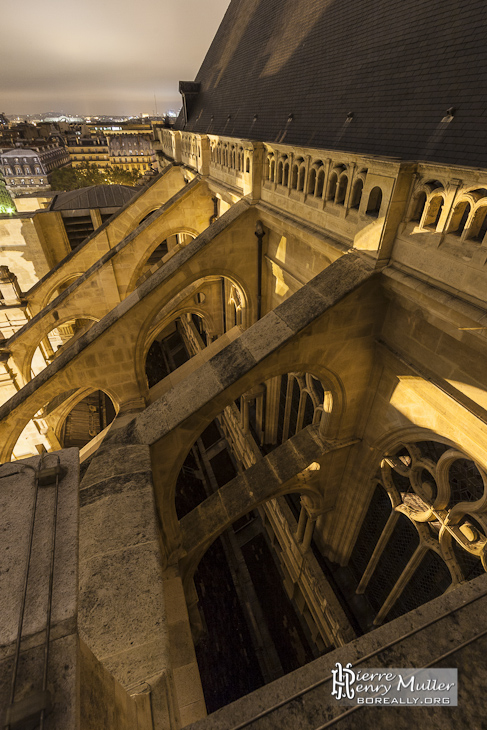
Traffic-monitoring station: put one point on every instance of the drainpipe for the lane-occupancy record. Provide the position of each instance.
(259, 232)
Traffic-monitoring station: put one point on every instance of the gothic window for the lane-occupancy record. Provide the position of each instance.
(428, 485)
(294, 181)
(357, 194)
(320, 182)
(400, 548)
(478, 227)
(430, 580)
(342, 190)
(418, 207)
(372, 525)
(374, 203)
(298, 404)
(332, 186)
(285, 175)
(279, 172)
(312, 181)
(459, 218)
(433, 214)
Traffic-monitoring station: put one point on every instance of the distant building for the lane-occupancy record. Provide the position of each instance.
(24, 170)
(131, 153)
(91, 150)
(116, 128)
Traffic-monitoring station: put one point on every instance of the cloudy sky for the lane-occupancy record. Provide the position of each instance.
(102, 56)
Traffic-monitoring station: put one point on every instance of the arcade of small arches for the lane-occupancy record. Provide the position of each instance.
(334, 183)
(439, 207)
(229, 155)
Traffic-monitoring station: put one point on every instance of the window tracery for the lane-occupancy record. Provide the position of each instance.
(435, 517)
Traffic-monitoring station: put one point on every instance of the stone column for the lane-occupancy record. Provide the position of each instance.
(122, 612)
(46, 671)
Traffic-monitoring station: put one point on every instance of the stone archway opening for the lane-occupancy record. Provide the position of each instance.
(88, 418)
(245, 572)
(56, 340)
(166, 246)
(62, 287)
(208, 308)
(271, 631)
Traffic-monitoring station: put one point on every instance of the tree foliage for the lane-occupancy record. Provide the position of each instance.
(72, 178)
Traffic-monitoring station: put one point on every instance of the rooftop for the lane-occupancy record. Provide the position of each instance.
(95, 196)
(372, 78)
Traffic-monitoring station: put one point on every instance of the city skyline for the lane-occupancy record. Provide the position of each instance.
(75, 63)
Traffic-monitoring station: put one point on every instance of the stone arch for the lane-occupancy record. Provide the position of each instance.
(342, 188)
(294, 177)
(312, 180)
(94, 413)
(153, 346)
(357, 190)
(418, 206)
(320, 183)
(53, 413)
(460, 217)
(144, 341)
(189, 562)
(270, 168)
(478, 225)
(280, 167)
(143, 262)
(146, 216)
(60, 287)
(285, 174)
(433, 211)
(166, 473)
(374, 202)
(44, 348)
(332, 187)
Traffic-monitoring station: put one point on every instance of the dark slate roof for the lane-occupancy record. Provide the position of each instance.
(95, 196)
(397, 65)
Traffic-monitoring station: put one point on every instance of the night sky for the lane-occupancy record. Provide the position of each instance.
(102, 56)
